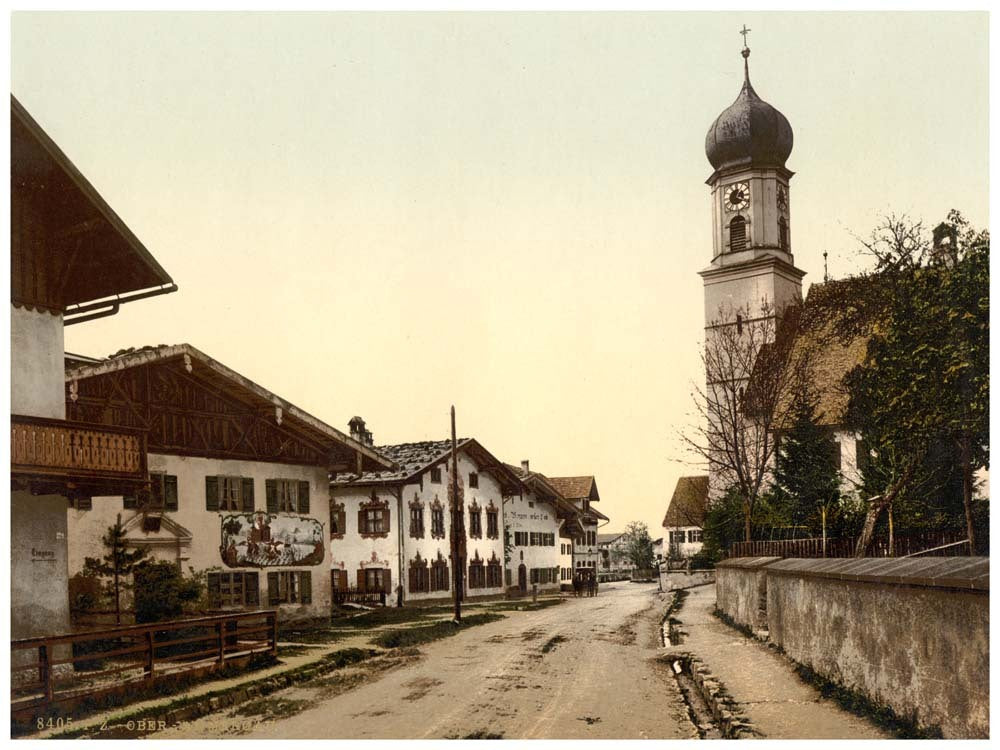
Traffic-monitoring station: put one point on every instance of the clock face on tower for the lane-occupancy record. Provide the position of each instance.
(738, 196)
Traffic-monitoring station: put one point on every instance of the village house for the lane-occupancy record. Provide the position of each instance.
(614, 561)
(72, 260)
(391, 530)
(540, 526)
(685, 517)
(582, 493)
(239, 477)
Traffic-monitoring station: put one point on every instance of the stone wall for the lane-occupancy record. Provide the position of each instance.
(741, 590)
(912, 634)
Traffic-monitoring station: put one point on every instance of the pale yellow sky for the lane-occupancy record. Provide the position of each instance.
(386, 214)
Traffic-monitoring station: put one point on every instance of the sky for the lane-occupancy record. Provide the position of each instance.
(386, 214)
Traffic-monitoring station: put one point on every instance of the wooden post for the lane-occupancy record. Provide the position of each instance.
(45, 671)
(274, 633)
(222, 641)
(149, 655)
(824, 530)
(456, 527)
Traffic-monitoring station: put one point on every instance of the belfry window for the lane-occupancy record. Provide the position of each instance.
(737, 234)
(783, 233)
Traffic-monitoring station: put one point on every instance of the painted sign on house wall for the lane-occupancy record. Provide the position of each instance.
(265, 540)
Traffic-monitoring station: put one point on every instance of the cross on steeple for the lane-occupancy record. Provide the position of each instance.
(744, 32)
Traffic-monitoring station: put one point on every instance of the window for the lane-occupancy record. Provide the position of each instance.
(531, 504)
(836, 451)
(783, 233)
(419, 578)
(533, 539)
(546, 575)
(233, 590)
(520, 538)
(375, 579)
(492, 522)
(289, 587)
(677, 537)
(436, 475)
(287, 496)
(416, 519)
(373, 517)
(338, 520)
(494, 574)
(229, 493)
(737, 234)
(439, 574)
(338, 580)
(437, 520)
(473, 479)
(739, 324)
(162, 493)
(694, 535)
(86, 502)
(477, 573)
(475, 521)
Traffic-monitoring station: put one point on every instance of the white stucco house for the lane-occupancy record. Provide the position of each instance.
(239, 477)
(684, 520)
(582, 493)
(391, 530)
(69, 254)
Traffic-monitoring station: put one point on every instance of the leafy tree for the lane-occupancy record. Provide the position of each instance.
(162, 591)
(116, 565)
(638, 546)
(724, 524)
(921, 398)
(806, 477)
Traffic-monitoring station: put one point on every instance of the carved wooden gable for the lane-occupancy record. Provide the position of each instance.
(189, 415)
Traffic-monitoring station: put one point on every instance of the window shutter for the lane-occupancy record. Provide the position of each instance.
(271, 486)
(273, 596)
(305, 587)
(388, 580)
(303, 497)
(128, 502)
(211, 493)
(213, 589)
(361, 580)
(170, 492)
(361, 522)
(251, 585)
(246, 493)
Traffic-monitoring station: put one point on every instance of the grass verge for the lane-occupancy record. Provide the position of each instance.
(405, 637)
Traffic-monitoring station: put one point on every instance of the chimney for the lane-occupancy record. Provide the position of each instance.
(369, 438)
(357, 425)
(524, 465)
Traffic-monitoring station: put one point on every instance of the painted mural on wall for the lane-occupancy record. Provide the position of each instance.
(265, 540)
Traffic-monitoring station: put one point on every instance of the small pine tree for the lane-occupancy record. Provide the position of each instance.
(806, 477)
(116, 565)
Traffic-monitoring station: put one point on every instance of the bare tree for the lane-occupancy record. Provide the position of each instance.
(751, 370)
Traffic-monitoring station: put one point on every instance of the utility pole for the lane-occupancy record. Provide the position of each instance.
(457, 525)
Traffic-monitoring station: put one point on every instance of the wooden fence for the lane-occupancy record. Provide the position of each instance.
(932, 543)
(52, 669)
(356, 596)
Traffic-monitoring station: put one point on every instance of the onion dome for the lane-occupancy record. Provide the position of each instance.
(749, 132)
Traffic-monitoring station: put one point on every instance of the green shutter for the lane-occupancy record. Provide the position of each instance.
(170, 492)
(213, 590)
(306, 587)
(272, 589)
(303, 497)
(128, 502)
(251, 587)
(361, 580)
(246, 493)
(211, 493)
(271, 486)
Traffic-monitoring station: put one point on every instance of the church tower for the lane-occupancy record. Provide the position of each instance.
(752, 272)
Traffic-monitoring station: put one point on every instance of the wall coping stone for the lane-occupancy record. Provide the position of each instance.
(969, 573)
(747, 562)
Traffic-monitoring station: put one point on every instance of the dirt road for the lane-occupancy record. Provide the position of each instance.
(585, 668)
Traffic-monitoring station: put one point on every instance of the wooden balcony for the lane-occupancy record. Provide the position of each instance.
(58, 454)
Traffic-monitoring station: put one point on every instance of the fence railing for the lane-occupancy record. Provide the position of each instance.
(56, 668)
(59, 447)
(356, 596)
(931, 543)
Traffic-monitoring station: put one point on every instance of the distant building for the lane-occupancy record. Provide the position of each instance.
(658, 549)
(612, 550)
(684, 521)
(582, 493)
(391, 530)
(239, 477)
(72, 260)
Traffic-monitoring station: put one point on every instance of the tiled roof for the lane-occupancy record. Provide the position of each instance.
(410, 458)
(687, 506)
(575, 488)
(605, 538)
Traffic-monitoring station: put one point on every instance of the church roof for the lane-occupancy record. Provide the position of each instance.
(749, 132)
(688, 504)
